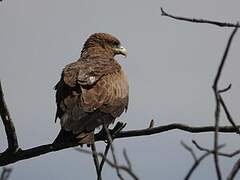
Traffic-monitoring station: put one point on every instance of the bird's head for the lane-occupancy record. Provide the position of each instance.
(104, 42)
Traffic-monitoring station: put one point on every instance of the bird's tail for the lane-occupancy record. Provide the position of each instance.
(68, 136)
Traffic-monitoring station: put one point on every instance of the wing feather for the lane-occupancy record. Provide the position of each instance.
(109, 94)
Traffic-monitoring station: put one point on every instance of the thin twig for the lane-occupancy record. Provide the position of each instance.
(96, 162)
(229, 117)
(103, 159)
(151, 124)
(225, 89)
(112, 164)
(217, 100)
(109, 138)
(196, 163)
(190, 150)
(5, 173)
(229, 155)
(215, 155)
(223, 60)
(194, 20)
(8, 124)
(234, 170)
(118, 128)
(127, 159)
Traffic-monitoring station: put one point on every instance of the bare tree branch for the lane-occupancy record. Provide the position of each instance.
(194, 20)
(223, 60)
(103, 160)
(196, 163)
(217, 100)
(118, 128)
(5, 173)
(151, 124)
(112, 164)
(190, 150)
(217, 115)
(229, 117)
(8, 124)
(173, 126)
(127, 159)
(225, 89)
(9, 158)
(236, 166)
(109, 138)
(234, 170)
(229, 155)
(96, 162)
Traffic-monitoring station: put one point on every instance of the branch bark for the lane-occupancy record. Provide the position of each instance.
(103, 160)
(110, 141)
(96, 161)
(196, 164)
(197, 161)
(112, 164)
(228, 155)
(9, 158)
(194, 20)
(228, 115)
(8, 124)
(6, 172)
(234, 170)
(218, 101)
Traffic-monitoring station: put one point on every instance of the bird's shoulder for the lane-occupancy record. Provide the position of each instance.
(88, 70)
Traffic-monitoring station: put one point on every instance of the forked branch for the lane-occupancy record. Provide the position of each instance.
(218, 101)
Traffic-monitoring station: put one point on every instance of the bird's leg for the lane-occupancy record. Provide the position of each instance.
(103, 134)
(117, 128)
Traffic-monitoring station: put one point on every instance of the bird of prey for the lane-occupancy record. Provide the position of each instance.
(92, 90)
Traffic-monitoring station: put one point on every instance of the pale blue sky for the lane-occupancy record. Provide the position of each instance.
(170, 66)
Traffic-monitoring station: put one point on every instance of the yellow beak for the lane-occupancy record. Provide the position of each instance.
(121, 50)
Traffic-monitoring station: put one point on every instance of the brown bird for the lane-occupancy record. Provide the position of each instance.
(92, 90)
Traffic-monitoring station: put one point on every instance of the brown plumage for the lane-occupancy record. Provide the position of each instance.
(92, 90)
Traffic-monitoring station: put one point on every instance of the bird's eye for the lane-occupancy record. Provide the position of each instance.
(115, 44)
